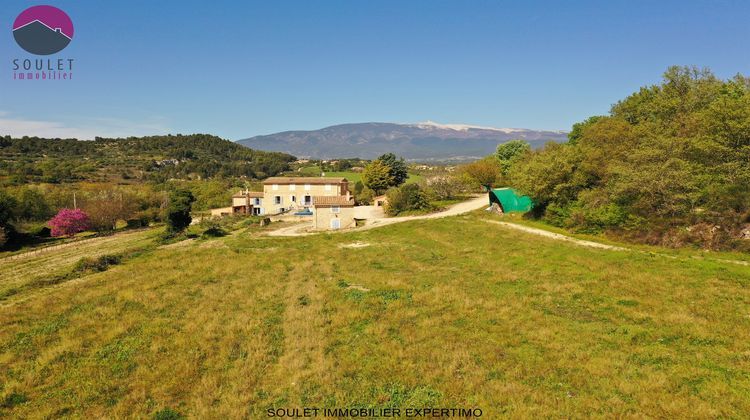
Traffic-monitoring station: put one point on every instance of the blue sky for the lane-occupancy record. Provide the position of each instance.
(242, 68)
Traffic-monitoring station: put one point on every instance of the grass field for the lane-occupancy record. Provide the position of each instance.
(353, 177)
(439, 313)
(32, 269)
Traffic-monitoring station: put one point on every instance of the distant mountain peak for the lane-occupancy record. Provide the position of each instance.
(429, 124)
(425, 141)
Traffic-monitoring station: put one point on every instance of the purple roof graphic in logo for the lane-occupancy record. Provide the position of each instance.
(43, 30)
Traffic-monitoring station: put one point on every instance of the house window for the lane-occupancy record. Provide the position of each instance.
(335, 209)
(307, 187)
(277, 199)
(292, 187)
(328, 187)
(275, 187)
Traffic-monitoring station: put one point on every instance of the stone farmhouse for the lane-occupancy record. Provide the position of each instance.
(327, 201)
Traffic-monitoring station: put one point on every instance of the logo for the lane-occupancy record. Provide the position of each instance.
(43, 30)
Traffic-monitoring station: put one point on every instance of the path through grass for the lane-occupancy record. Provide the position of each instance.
(446, 312)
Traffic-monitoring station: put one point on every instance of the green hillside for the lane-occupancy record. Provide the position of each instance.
(451, 312)
(132, 159)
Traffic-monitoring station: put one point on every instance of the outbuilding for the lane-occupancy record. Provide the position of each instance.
(509, 201)
(333, 212)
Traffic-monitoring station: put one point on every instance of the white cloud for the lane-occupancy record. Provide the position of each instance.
(101, 127)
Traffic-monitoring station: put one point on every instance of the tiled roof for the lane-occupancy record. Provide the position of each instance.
(332, 200)
(251, 194)
(304, 180)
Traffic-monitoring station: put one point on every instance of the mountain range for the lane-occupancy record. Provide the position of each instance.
(426, 141)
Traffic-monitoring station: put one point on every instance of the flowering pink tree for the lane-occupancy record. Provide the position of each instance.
(68, 222)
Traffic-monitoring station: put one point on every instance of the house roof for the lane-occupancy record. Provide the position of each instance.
(304, 180)
(251, 194)
(332, 200)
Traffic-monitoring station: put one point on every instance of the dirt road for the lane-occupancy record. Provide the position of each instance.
(557, 236)
(302, 229)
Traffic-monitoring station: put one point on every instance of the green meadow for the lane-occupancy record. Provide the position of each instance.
(354, 177)
(351, 176)
(452, 312)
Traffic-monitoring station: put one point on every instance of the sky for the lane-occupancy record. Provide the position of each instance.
(242, 68)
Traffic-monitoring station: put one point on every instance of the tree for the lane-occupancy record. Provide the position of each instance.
(68, 222)
(484, 172)
(8, 208)
(509, 151)
(178, 210)
(667, 157)
(108, 206)
(32, 205)
(397, 168)
(445, 187)
(7, 211)
(548, 175)
(405, 198)
(377, 176)
(578, 128)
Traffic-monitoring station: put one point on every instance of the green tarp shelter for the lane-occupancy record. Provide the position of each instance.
(509, 200)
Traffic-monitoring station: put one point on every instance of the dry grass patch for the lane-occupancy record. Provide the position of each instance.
(455, 312)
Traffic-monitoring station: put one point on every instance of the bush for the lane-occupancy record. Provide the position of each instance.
(102, 263)
(482, 173)
(214, 232)
(68, 222)
(13, 399)
(406, 198)
(42, 232)
(364, 196)
(178, 211)
(444, 187)
(168, 414)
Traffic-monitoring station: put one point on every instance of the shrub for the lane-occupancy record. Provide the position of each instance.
(101, 263)
(364, 196)
(13, 399)
(8, 206)
(444, 187)
(213, 232)
(168, 414)
(43, 232)
(406, 198)
(178, 211)
(483, 172)
(68, 222)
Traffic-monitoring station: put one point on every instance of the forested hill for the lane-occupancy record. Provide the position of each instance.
(670, 165)
(157, 158)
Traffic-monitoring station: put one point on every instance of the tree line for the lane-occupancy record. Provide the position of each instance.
(153, 158)
(669, 165)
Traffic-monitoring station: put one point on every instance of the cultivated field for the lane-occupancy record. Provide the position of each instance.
(31, 270)
(354, 177)
(452, 312)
